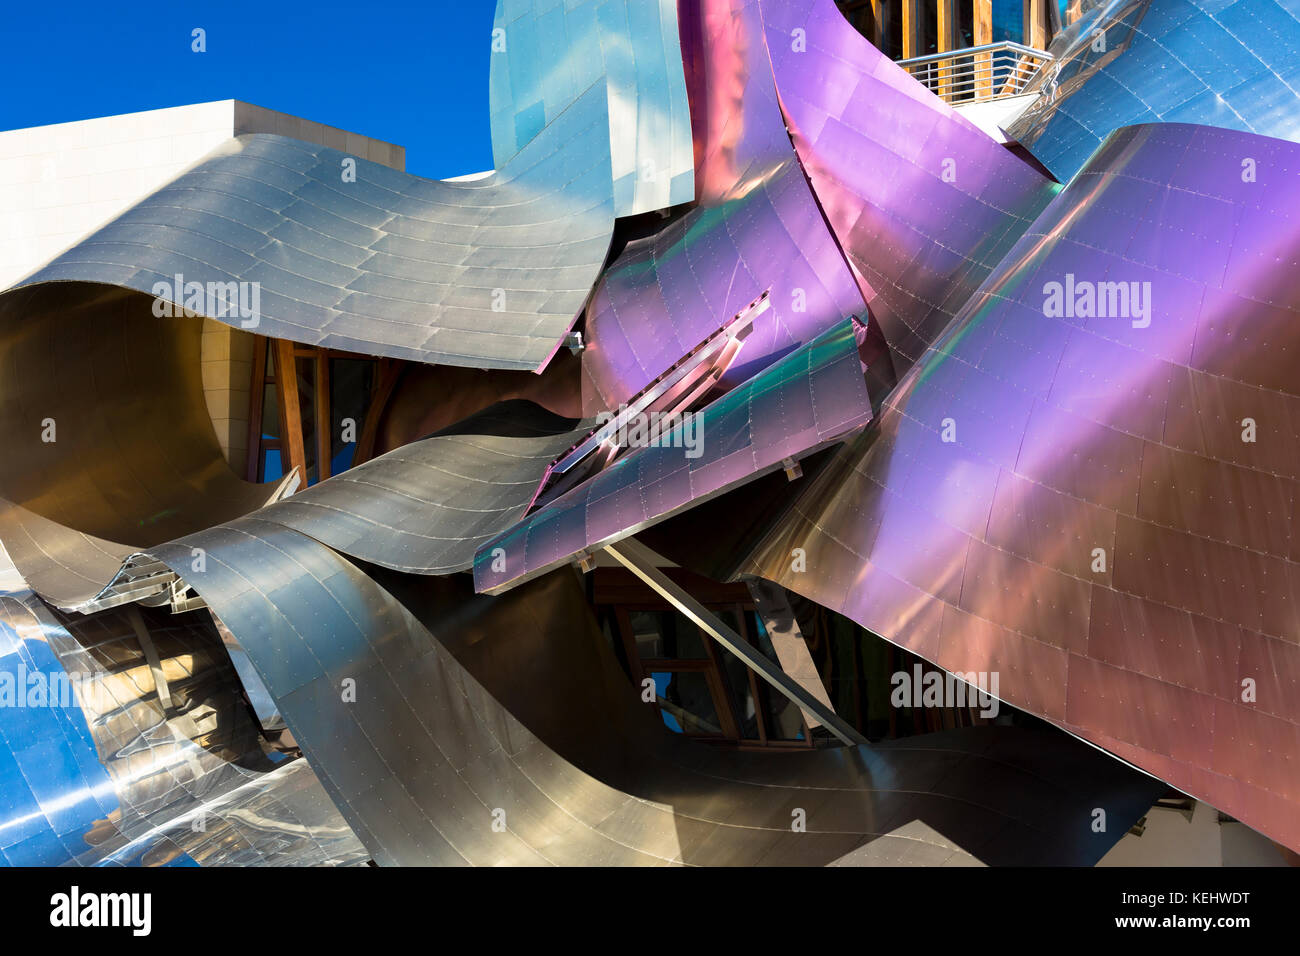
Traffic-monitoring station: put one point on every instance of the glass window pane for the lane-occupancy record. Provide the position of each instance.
(272, 470)
(270, 412)
(686, 702)
(783, 719)
(737, 676)
(666, 634)
(351, 381)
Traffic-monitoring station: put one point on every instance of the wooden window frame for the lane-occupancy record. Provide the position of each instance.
(726, 699)
(283, 377)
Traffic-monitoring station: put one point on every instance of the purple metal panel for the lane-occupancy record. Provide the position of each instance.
(808, 399)
(923, 202)
(756, 226)
(1098, 506)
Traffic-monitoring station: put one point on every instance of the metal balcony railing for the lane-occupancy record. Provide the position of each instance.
(979, 73)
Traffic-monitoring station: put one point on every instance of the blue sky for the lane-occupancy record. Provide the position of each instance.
(408, 72)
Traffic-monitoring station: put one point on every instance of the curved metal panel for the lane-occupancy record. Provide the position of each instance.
(1176, 61)
(546, 55)
(109, 446)
(427, 506)
(345, 253)
(429, 768)
(132, 756)
(923, 203)
(64, 566)
(1096, 502)
(453, 727)
(807, 400)
(52, 786)
(756, 227)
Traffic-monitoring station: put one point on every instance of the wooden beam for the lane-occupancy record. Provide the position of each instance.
(983, 22)
(912, 38)
(984, 61)
(286, 381)
(1035, 13)
(324, 428)
(641, 561)
(945, 12)
(390, 373)
(946, 25)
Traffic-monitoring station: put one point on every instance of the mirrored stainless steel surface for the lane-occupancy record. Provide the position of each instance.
(349, 254)
(1122, 62)
(1094, 499)
(101, 765)
(429, 765)
(546, 54)
(427, 506)
(1084, 481)
(109, 445)
(756, 227)
(922, 201)
(809, 399)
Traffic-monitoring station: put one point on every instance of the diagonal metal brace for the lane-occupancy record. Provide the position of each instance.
(641, 561)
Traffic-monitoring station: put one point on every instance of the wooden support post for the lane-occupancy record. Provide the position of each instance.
(286, 380)
(984, 61)
(912, 38)
(324, 428)
(1035, 13)
(946, 39)
(257, 389)
(876, 35)
(389, 374)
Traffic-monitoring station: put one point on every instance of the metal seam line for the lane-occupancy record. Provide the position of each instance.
(640, 560)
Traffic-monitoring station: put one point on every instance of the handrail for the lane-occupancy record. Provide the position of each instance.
(983, 48)
(977, 74)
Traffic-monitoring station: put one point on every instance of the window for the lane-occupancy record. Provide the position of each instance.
(320, 430)
(701, 689)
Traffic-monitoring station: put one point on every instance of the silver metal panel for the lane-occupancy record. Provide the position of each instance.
(430, 766)
(427, 506)
(489, 273)
(103, 771)
(1232, 65)
(645, 563)
(1095, 500)
(756, 227)
(133, 459)
(546, 55)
